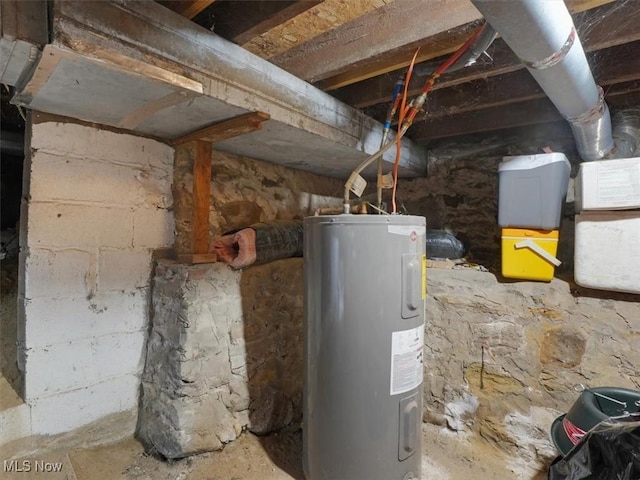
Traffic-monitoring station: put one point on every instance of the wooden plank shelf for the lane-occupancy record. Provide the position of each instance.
(240, 125)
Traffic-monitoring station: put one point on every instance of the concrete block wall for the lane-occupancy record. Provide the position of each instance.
(98, 204)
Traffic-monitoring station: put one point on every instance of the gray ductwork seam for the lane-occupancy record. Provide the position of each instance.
(556, 58)
(542, 34)
(591, 128)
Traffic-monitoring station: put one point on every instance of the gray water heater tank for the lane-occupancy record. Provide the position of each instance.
(365, 287)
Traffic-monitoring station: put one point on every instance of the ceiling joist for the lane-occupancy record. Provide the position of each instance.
(520, 86)
(530, 112)
(187, 8)
(383, 30)
(256, 17)
(603, 27)
(385, 39)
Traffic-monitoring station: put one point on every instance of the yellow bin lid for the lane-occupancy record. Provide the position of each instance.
(523, 232)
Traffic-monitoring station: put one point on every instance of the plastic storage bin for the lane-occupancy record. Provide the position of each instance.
(607, 251)
(532, 189)
(608, 185)
(529, 254)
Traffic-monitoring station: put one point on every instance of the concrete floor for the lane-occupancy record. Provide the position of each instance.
(8, 397)
(447, 456)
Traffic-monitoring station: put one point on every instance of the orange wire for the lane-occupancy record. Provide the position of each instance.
(404, 109)
(401, 113)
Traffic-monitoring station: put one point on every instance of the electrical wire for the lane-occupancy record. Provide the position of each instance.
(391, 113)
(403, 110)
(418, 102)
(480, 46)
(407, 114)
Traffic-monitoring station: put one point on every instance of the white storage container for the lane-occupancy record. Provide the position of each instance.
(532, 189)
(608, 185)
(607, 251)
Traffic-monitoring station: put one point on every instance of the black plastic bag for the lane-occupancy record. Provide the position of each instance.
(609, 451)
(442, 244)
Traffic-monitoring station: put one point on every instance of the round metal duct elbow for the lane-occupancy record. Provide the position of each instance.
(592, 131)
(542, 35)
(626, 132)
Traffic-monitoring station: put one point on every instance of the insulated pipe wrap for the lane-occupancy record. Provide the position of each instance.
(542, 35)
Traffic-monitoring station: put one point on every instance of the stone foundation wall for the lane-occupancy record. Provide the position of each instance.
(224, 355)
(246, 191)
(502, 359)
(460, 191)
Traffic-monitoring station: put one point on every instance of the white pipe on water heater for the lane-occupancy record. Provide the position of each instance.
(541, 33)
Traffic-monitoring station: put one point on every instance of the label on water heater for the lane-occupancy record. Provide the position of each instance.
(406, 359)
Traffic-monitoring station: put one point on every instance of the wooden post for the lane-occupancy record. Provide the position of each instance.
(200, 143)
(201, 191)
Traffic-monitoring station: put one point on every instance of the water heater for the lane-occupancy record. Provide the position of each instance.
(365, 287)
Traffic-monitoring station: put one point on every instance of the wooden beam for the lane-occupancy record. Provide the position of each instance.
(627, 100)
(293, 9)
(436, 46)
(523, 113)
(495, 118)
(627, 89)
(256, 17)
(612, 66)
(187, 8)
(430, 48)
(201, 200)
(617, 64)
(385, 29)
(194, 258)
(240, 125)
(203, 140)
(603, 27)
(378, 90)
(325, 16)
(398, 56)
(20, 20)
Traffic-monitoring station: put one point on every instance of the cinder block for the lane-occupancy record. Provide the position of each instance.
(58, 320)
(68, 366)
(62, 273)
(64, 178)
(70, 410)
(64, 225)
(80, 141)
(153, 228)
(123, 270)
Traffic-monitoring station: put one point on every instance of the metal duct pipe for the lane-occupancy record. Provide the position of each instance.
(468, 58)
(626, 132)
(542, 35)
